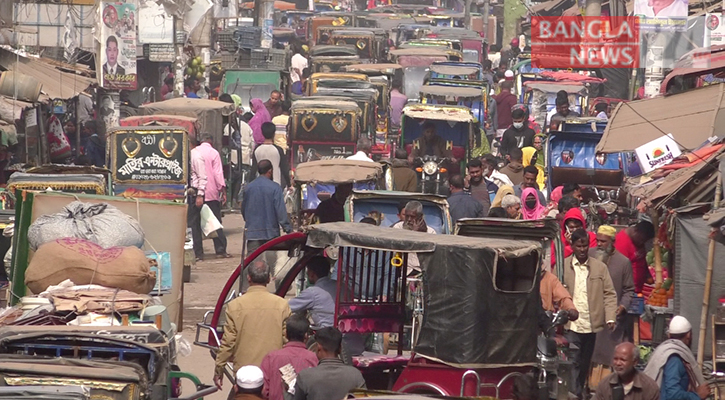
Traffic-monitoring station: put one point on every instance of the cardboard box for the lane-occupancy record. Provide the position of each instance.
(657, 153)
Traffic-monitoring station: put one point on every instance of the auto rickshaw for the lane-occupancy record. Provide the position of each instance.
(434, 42)
(454, 124)
(405, 32)
(465, 71)
(498, 279)
(472, 97)
(473, 45)
(299, 21)
(338, 78)
(252, 83)
(149, 162)
(610, 101)
(371, 43)
(61, 178)
(323, 128)
(416, 62)
(382, 206)
(331, 58)
(363, 93)
(540, 97)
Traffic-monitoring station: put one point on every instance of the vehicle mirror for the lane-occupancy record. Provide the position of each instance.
(561, 318)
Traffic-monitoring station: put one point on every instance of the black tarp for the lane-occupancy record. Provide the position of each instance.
(691, 248)
(468, 321)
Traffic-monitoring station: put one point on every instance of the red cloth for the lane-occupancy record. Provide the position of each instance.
(504, 102)
(576, 213)
(623, 244)
(293, 353)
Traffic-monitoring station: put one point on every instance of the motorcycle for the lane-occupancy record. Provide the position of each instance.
(554, 365)
(432, 178)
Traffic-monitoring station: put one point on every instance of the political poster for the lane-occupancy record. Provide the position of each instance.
(118, 45)
(661, 15)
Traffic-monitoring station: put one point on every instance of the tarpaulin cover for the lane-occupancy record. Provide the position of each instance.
(691, 117)
(468, 321)
(691, 248)
(337, 171)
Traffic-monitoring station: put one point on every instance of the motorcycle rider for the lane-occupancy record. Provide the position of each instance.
(430, 144)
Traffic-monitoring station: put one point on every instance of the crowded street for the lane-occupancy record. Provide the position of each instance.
(384, 199)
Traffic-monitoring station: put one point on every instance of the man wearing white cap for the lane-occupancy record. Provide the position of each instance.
(249, 383)
(674, 367)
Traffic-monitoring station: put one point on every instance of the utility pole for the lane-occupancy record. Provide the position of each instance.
(486, 7)
(467, 13)
(593, 8)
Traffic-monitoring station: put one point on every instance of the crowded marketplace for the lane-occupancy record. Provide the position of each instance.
(385, 199)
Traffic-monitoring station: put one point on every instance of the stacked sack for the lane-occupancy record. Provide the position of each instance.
(88, 244)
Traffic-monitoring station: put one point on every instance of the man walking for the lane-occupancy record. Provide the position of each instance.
(207, 163)
(270, 151)
(462, 204)
(254, 324)
(590, 285)
(331, 379)
(673, 366)
(404, 178)
(263, 208)
(480, 188)
(631, 242)
(364, 147)
(294, 353)
(620, 270)
(514, 170)
(273, 105)
(519, 135)
(629, 383)
(529, 181)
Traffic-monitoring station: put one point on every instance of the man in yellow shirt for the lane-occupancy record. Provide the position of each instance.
(593, 294)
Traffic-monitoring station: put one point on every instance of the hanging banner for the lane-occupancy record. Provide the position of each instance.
(118, 46)
(661, 15)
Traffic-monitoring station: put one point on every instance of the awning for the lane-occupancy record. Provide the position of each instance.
(56, 84)
(691, 117)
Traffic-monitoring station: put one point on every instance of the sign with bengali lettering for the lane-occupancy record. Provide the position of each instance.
(149, 154)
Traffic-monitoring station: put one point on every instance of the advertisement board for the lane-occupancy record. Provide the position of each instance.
(118, 45)
(661, 15)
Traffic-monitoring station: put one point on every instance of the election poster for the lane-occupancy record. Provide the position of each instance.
(661, 15)
(118, 45)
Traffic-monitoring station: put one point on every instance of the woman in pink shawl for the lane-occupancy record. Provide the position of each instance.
(261, 115)
(531, 208)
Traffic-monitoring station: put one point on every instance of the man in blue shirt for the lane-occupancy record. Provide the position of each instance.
(318, 299)
(263, 209)
(674, 367)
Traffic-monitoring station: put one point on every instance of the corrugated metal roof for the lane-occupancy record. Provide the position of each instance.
(56, 83)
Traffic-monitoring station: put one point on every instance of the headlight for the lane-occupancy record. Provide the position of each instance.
(430, 168)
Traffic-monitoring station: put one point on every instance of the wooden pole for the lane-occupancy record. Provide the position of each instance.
(708, 281)
(657, 250)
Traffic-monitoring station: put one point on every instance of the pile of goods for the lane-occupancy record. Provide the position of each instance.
(194, 69)
(659, 294)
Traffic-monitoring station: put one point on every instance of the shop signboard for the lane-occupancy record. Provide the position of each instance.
(149, 162)
(118, 45)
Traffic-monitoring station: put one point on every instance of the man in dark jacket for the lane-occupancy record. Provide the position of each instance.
(504, 101)
(462, 204)
(331, 379)
(519, 135)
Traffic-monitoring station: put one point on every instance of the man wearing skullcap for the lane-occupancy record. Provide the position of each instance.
(620, 269)
(673, 366)
(249, 382)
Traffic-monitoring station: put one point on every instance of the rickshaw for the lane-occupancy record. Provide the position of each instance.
(62, 178)
(299, 21)
(371, 43)
(150, 162)
(466, 71)
(497, 278)
(416, 62)
(474, 98)
(330, 58)
(382, 206)
(348, 85)
(454, 124)
(453, 44)
(249, 84)
(316, 180)
(473, 45)
(338, 78)
(107, 362)
(381, 76)
(571, 157)
(609, 101)
(323, 128)
(540, 97)
(408, 31)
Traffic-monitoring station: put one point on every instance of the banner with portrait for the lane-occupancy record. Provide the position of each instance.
(118, 45)
(661, 15)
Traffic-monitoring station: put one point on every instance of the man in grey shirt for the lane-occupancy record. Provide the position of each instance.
(270, 151)
(331, 379)
(318, 299)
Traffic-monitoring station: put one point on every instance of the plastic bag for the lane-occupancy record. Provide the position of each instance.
(183, 347)
(101, 223)
(209, 224)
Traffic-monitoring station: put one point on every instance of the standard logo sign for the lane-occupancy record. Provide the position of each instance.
(584, 42)
(657, 153)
